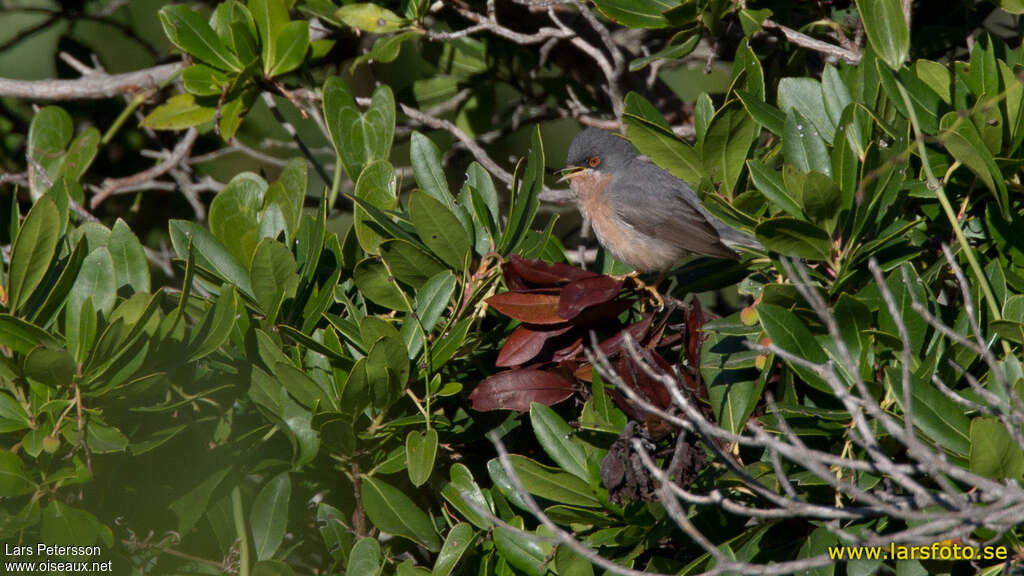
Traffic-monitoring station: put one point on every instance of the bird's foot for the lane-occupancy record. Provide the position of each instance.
(633, 279)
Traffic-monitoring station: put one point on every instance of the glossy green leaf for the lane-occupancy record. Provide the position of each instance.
(426, 163)
(365, 558)
(409, 263)
(32, 251)
(290, 48)
(203, 80)
(439, 230)
(234, 215)
(51, 366)
(420, 451)
(216, 327)
(794, 238)
(376, 186)
(369, 18)
(130, 266)
(191, 33)
(67, 525)
(179, 112)
(636, 14)
(570, 563)
(724, 147)
(886, 29)
(525, 198)
(526, 554)
(768, 116)
(790, 334)
(13, 416)
(14, 479)
(48, 135)
(358, 137)
(458, 541)
(665, 149)
(805, 95)
(374, 283)
(463, 493)
(269, 517)
(547, 482)
(273, 276)
(994, 452)
(769, 183)
(556, 438)
(803, 147)
(392, 511)
(270, 17)
(211, 252)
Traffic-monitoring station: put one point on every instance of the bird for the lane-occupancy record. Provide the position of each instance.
(646, 217)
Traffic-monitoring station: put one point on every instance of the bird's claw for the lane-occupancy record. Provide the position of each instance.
(633, 279)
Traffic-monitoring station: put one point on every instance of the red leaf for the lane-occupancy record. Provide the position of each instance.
(604, 316)
(581, 294)
(540, 273)
(694, 333)
(637, 330)
(635, 377)
(526, 343)
(530, 307)
(515, 389)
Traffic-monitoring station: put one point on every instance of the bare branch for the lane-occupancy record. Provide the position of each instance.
(805, 41)
(114, 185)
(93, 87)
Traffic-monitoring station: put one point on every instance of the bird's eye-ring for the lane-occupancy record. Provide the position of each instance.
(594, 161)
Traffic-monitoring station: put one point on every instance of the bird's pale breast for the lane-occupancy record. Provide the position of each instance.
(630, 246)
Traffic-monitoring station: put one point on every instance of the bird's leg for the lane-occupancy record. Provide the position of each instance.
(651, 290)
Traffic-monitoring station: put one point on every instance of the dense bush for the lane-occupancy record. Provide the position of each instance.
(338, 362)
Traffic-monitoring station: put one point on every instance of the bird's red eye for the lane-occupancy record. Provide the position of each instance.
(595, 161)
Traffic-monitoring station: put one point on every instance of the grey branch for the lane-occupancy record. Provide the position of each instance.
(95, 86)
(178, 155)
(805, 41)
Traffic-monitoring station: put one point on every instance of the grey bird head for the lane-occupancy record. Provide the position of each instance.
(600, 151)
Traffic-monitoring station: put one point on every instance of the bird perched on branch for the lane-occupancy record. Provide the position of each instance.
(646, 217)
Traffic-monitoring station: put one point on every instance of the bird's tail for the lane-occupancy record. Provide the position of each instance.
(736, 239)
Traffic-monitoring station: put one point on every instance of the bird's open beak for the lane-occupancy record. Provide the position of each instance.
(571, 172)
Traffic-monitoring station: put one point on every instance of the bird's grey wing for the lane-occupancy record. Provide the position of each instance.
(660, 208)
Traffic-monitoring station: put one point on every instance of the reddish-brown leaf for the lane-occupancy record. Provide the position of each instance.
(579, 295)
(515, 389)
(603, 316)
(534, 307)
(539, 273)
(694, 332)
(526, 343)
(638, 330)
(635, 377)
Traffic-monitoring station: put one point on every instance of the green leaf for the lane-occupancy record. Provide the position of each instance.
(934, 413)
(1012, 6)
(13, 416)
(769, 183)
(130, 266)
(202, 80)
(794, 238)
(458, 541)
(904, 293)
(420, 451)
(409, 263)
(426, 163)
(392, 511)
(272, 568)
(290, 49)
(48, 135)
(22, 336)
(523, 552)
(32, 251)
(556, 438)
(69, 526)
(679, 47)
(790, 334)
(805, 95)
(191, 33)
(385, 49)
(358, 138)
(51, 366)
(376, 186)
(364, 558)
(216, 327)
(273, 276)
(80, 155)
(234, 215)
(439, 229)
(886, 29)
(636, 14)
(369, 18)
(179, 112)
(764, 114)
(463, 490)
(286, 196)
(642, 108)
(545, 481)
(936, 76)
(190, 507)
(525, 198)
(269, 517)
(95, 282)
(210, 252)
(270, 17)
(821, 199)
(724, 147)
(665, 149)
(374, 283)
(734, 386)
(994, 452)
(14, 479)
(963, 141)
(570, 563)
(803, 147)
